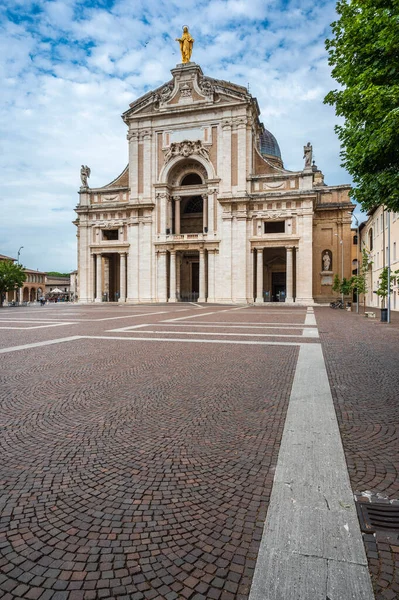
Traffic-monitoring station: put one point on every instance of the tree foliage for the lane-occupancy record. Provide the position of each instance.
(57, 274)
(382, 290)
(336, 286)
(364, 54)
(359, 281)
(12, 276)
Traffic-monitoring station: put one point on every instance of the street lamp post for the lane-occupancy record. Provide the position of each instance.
(19, 290)
(357, 259)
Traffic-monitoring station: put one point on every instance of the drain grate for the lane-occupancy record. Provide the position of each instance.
(378, 516)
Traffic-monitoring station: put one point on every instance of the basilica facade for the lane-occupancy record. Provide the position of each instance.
(205, 210)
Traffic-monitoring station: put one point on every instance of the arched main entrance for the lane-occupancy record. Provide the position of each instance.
(187, 217)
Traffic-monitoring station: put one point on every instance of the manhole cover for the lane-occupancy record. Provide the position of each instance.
(378, 517)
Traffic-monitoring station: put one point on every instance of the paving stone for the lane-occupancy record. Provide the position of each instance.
(142, 472)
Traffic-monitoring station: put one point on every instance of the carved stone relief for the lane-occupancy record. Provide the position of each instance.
(274, 185)
(206, 87)
(166, 92)
(186, 149)
(275, 215)
(185, 91)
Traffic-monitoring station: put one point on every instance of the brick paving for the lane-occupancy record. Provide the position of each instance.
(362, 358)
(143, 470)
(136, 470)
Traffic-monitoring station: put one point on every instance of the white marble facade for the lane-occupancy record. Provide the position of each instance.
(205, 210)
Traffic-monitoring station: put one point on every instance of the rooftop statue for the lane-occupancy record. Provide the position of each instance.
(84, 174)
(307, 155)
(186, 45)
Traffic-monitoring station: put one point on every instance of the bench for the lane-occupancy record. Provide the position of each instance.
(370, 315)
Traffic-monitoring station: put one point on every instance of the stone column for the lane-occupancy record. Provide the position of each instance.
(162, 200)
(201, 297)
(289, 277)
(169, 218)
(259, 275)
(178, 266)
(122, 276)
(99, 276)
(211, 276)
(205, 213)
(211, 216)
(161, 276)
(177, 200)
(106, 277)
(92, 278)
(172, 285)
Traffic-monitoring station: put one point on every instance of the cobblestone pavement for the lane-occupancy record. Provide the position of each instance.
(362, 358)
(134, 468)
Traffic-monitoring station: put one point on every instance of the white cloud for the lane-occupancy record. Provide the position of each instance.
(69, 69)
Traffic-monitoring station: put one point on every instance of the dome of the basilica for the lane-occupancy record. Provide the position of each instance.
(268, 144)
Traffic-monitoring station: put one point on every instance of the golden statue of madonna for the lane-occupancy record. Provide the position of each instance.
(186, 45)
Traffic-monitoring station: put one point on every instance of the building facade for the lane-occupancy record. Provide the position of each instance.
(376, 240)
(57, 286)
(205, 209)
(32, 289)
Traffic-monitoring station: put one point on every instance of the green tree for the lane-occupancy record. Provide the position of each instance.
(12, 276)
(364, 54)
(345, 286)
(382, 290)
(57, 274)
(336, 286)
(359, 282)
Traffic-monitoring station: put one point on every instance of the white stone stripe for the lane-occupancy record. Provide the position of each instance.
(38, 344)
(310, 319)
(157, 339)
(311, 548)
(229, 325)
(214, 312)
(129, 328)
(5, 320)
(274, 335)
(15, 328)
(310, 332)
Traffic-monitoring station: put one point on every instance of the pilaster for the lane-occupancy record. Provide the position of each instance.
(259, 276)
(172, 284)
(122, 275)
(161, 276)
(99, 273)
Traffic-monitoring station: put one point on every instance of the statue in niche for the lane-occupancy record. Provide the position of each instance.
(186, 45)
(307, 155)
(326, 259)
(84, 174)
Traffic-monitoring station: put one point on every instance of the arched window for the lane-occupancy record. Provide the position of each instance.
(194, 205)
(191, 179)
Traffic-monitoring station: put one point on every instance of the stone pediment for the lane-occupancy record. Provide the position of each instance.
(189, 86)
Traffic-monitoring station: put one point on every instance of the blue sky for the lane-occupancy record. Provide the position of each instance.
(71, 67)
